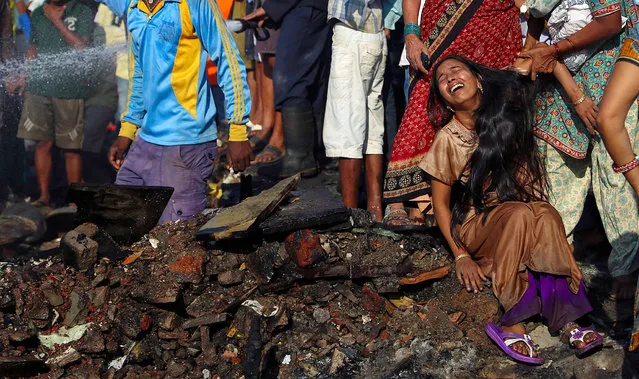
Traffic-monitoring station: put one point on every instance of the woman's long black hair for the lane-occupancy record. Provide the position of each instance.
(506, 161)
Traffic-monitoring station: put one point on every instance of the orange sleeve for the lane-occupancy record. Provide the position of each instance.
(226, 6)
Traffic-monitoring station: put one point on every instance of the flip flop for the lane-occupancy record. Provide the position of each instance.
(407, 226)
(579, 334)
(505, 339)
(271, 151)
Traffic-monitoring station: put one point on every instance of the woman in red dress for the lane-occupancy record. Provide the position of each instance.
(492, 37)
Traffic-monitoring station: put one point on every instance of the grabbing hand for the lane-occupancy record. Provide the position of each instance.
(53, 13)
(587, 111)
(543, 57)
(470, 274)
(414, 49)
(259, 15)
(15, 86)
(117, 151)
(240, 155)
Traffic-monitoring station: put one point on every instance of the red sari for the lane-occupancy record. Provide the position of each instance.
(492, 38)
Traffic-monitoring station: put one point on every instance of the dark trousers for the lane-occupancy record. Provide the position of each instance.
(301, 69)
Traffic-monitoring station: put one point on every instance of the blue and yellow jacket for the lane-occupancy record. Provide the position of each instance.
(170, 100)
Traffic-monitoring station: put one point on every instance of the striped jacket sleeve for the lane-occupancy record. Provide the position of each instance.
(210, 26)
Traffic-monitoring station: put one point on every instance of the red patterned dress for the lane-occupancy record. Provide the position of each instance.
(492, 38)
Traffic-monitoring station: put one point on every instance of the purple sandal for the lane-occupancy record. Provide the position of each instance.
(579, 334)
(505, 339)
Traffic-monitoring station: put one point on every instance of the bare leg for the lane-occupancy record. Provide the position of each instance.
(374, 167)
(267, 96)
(259, 80)
(73, 162)
(621, 92)
(255, 96)
(349, 173)
(43, 164)
(276, 140)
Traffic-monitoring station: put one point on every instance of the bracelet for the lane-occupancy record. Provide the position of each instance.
(412, 28)
(461, 256)
(581, 100)
(626, 167)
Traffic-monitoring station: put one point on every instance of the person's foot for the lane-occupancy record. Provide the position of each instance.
(269, 154)
(41, 202)
(579, 344)
(377, 211)
(519, 347)
(399, 217)
(623, 287)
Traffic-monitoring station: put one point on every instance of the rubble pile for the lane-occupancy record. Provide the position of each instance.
(340, 301)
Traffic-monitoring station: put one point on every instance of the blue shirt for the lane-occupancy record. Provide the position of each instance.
(170, 99)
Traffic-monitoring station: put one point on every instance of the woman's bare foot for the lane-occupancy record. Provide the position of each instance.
(519, 347)
(377, 211)
(565, 336)
(623, 287)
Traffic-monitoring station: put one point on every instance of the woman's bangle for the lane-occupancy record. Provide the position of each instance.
(412, 28)
(461, 256)
(581, 100)
(626, 167)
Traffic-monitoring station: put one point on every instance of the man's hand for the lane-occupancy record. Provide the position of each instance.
(53, 13)
(15, 86)
(240, 155)
(117, 151)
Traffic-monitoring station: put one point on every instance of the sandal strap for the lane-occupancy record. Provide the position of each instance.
(394, 212)
(525, 338)
(579, 334)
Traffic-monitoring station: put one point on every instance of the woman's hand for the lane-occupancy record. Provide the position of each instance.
(588, 112)
(414, 49)
(470, 274)
(543, 57)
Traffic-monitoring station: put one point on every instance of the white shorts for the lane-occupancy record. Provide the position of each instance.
(354, 119)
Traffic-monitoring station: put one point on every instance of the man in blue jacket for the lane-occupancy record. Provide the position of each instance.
(170, 103)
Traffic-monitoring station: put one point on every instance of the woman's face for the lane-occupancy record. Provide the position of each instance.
(458, 86)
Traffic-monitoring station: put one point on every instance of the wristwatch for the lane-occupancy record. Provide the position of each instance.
(523, 9)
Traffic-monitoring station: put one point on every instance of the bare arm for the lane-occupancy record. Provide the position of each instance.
(441, 207)
(54, 14)
(620, 94)
(469, 273)
(599, 29)
(6, 33)
(585, 107)
(414, 45)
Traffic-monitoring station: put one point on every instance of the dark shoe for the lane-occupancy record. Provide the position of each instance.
(299, 139)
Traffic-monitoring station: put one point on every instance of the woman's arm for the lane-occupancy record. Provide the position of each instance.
(620, 94)
(599, 29)
(468, 272)
(414, 45)
(585, 107)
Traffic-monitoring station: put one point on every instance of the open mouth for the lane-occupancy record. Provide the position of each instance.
(456, 87)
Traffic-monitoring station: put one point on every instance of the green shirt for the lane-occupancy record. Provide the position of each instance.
(57, 70)
(103, 86)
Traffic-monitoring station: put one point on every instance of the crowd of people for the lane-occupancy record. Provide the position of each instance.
(494, 138)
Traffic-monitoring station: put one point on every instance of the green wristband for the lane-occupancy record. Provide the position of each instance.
(412, 28)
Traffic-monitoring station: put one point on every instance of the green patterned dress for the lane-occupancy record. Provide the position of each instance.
(576, 161)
